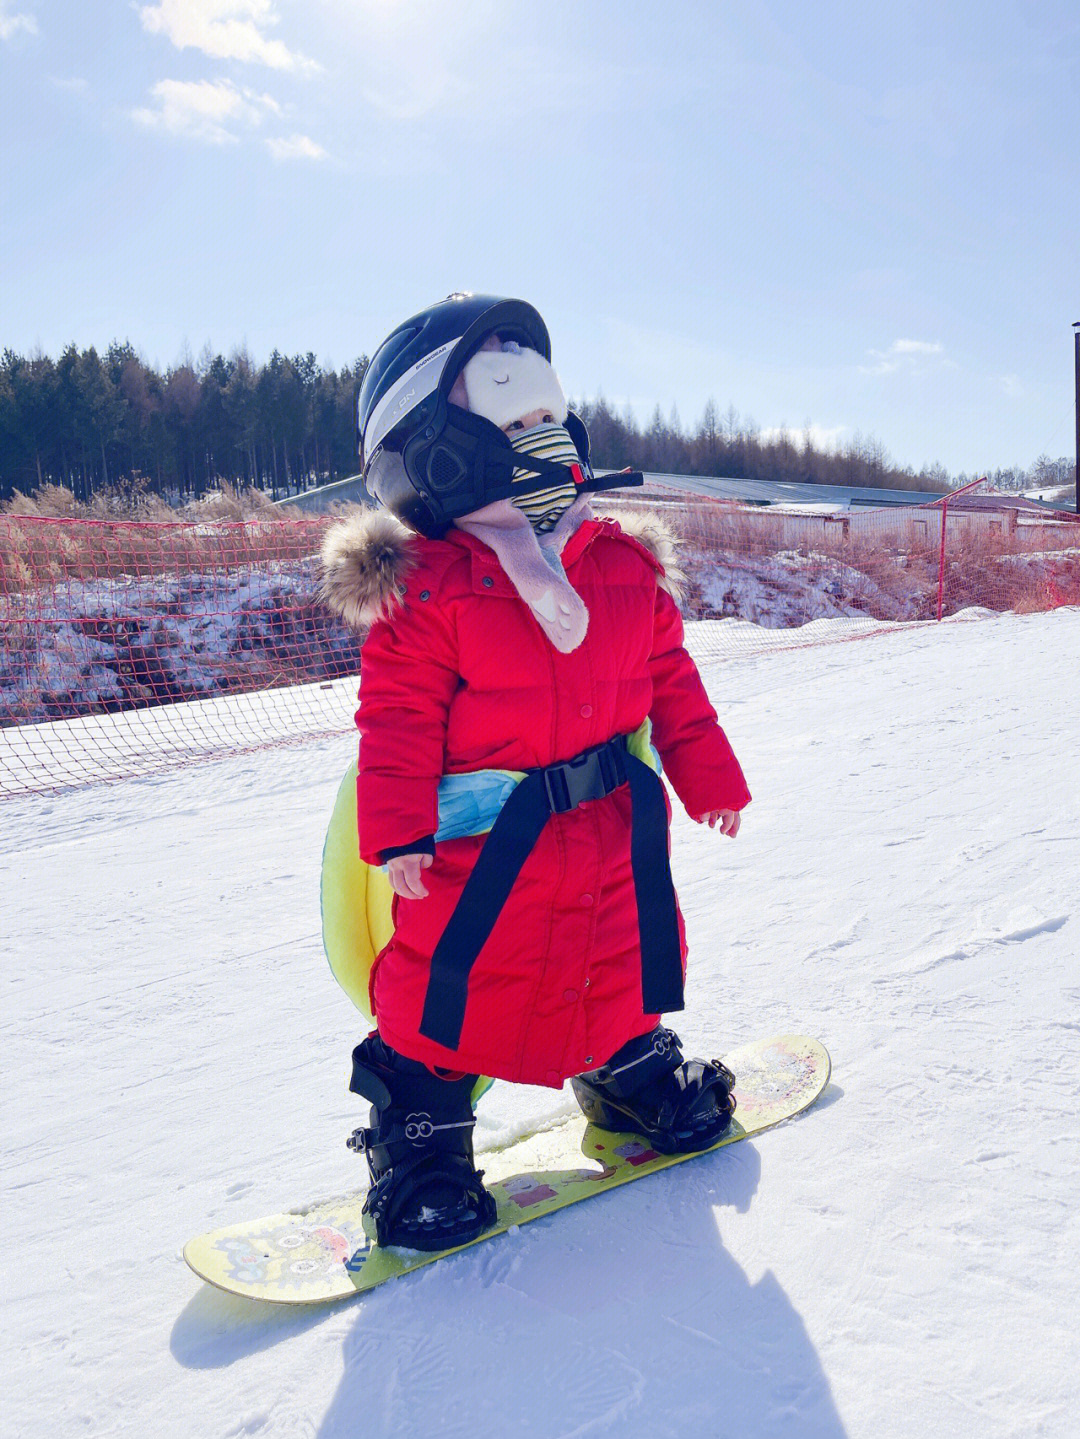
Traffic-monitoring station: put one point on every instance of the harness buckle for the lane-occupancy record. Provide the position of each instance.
(593, 774)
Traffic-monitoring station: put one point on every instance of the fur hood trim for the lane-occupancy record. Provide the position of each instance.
(365, 559)
(368, 554)
(654, 534)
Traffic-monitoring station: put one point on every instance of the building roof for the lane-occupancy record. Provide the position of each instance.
(840, 497)
(787, 492)
(784, 493)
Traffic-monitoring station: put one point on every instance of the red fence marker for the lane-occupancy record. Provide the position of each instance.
(944, 503)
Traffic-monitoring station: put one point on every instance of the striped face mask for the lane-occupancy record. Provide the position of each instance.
(548, 442)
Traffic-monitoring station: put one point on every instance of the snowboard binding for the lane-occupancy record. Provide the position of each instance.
(647, 1088)
(425, 1191)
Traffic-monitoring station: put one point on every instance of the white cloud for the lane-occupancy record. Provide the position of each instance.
(223, 29)
(904, 354)
(296, 147)
(419, 59)
(12, 24)
(206, 109)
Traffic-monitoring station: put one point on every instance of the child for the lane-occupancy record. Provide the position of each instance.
(523, 660)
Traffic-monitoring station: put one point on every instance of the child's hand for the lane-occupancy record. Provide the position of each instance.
(729, 820)
(404, 874)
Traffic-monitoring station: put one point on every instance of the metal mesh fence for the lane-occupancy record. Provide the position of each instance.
(762, 571)
(129, 647)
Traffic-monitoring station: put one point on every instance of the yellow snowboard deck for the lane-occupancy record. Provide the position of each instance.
(320, 1252)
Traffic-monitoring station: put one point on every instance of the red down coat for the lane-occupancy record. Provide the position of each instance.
(461, 678)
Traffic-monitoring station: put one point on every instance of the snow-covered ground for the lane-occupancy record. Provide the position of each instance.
(901, 1261)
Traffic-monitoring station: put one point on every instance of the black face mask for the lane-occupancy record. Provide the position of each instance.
(456, 462)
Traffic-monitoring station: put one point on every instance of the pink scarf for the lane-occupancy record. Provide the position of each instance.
(532, 565)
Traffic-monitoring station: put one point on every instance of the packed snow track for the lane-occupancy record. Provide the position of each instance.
(899, 1262)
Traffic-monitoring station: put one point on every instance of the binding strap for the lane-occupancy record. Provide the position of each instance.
(556, 789)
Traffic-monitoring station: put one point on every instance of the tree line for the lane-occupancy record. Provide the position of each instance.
(730, 447)
(88, 422)
(92, 423)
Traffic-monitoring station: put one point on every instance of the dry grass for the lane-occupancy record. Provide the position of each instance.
(50, 542)
(1011, 574)
(132, 499)
(54, 549)
(88, 590)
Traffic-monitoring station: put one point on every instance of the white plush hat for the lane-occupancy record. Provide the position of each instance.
(504, 384)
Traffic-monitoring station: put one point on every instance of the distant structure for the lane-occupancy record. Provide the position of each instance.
(350, 491)
(776, 495)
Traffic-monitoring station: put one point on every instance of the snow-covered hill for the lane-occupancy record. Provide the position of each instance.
(899, 1262)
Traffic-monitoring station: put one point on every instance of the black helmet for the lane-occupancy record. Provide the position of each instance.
(429, 461)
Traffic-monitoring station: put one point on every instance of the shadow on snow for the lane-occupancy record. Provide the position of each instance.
(626, 1313)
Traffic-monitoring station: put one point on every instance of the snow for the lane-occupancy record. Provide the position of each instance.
(1062, 495)
(899, 1261)
(788, 589)
(146, 741)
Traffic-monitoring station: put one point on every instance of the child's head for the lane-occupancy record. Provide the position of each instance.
(431, 462)
(514, 387)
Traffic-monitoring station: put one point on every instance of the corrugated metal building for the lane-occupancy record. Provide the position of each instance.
(801, 514)
(833, 498)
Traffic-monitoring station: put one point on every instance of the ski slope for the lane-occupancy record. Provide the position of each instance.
(899, 1262)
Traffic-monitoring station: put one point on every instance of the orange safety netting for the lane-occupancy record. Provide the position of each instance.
(786, 570)
(128, 647)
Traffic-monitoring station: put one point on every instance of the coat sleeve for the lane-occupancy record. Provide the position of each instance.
(696, 754)
(408, 676)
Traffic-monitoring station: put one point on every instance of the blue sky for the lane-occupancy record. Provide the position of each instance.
(861, 218)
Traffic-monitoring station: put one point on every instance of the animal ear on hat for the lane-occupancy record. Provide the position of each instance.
(505, 384)
(459, 395)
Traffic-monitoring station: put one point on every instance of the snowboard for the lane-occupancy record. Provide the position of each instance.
(320, 1252)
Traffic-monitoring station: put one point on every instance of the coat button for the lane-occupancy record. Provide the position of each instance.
(586, 711)
(588, 1059)
(488, 582)
(586, 899)
(425, 594)
(569, 995)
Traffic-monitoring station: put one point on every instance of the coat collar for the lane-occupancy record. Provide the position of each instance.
(488, 576)
(368, 556)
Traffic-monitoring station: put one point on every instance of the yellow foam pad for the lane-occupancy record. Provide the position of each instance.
(357, 919)
(356, 901)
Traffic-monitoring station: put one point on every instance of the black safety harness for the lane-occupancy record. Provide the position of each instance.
(556, 789)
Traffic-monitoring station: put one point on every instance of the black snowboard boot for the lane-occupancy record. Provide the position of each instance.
(425, 1192)
(647, 1088)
